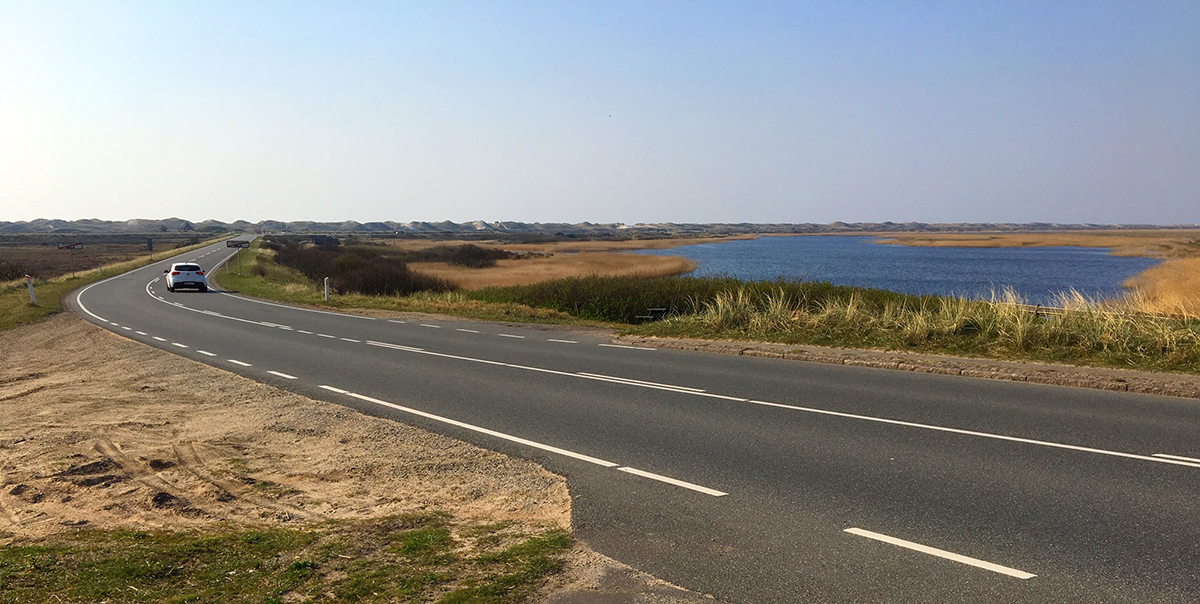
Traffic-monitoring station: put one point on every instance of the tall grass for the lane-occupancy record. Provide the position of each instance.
(1084, 330)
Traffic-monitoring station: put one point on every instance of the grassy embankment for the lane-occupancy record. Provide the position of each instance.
(1089, 332)
(406, 559)
(16, 308)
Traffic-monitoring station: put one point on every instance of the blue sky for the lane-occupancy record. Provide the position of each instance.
(605, 112)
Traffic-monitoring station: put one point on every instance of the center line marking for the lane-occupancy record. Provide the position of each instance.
(562, 341)
(304, 332)
(126, 328)
(140, 333)
(206, 353)
(350, 340)
(282, 375)
(159, 339)
(237, 362)
(325, 335)
(428, 325)
(509, 335)
(178, 344)
(395, 321)
(678, 483)
(467, 330)
(941, 553)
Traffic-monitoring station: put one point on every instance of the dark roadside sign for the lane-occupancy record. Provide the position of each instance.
(70, 246)
(234, 243)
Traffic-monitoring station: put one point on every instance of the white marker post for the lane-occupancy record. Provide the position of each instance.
(32, 296)
(326, 289)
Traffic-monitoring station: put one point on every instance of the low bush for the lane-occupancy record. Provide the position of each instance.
(373, 271)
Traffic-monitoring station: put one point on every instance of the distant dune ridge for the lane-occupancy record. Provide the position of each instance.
(661, 229)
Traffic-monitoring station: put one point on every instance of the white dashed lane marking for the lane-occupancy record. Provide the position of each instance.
(562, 341)
(626, 347)
(325, 335)
(467, 330)
(140, 333)
(350, 340)
(396, 321)
(159, 339)
(282, 375)
(304, 332)
(179, 345)
(941, 553)
(428, 325)
(237, 362)
(509, 335)
(206, 353)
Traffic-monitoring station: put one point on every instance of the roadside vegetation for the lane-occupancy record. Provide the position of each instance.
(1090, 332)
(16, 307)
(417, 558)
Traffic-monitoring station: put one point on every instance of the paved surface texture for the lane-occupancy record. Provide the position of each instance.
(754, 479)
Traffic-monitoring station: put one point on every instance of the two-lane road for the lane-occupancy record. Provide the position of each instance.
(752, 479)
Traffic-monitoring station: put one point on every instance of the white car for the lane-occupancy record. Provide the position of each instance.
(186, 274)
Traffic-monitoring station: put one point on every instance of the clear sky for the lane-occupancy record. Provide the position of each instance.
(601, 111)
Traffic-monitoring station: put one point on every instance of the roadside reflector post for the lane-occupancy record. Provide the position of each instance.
(32, 296)
(326, 289)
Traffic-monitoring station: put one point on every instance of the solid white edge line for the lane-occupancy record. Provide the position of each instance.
(1178, 457)
(668, 480)
(332, 389)
(1014, 439)
(941, 553)
(481, 430)
(283, 375)
(179, 345)
(395, 321)
(395, 346)
(237, 362)
(206, 353)
(626, 347)
(562, 341)
(324, 312)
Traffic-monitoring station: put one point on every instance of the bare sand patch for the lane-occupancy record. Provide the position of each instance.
(100, 431)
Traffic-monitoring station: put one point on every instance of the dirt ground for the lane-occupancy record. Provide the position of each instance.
(103, 432)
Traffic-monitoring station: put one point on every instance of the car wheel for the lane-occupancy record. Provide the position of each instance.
(203, 288)
(171, 289)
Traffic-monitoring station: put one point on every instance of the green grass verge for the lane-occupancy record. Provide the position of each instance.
(260, 277)
(16, 308)
(418, 558)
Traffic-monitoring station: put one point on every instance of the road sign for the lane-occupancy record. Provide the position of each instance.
(70, 246)
(232, 243)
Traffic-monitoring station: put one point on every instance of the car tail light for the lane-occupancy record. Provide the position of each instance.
(199, 272)
(174, 272)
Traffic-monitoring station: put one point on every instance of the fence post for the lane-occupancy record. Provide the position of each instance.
(32, 296)
(326, 289)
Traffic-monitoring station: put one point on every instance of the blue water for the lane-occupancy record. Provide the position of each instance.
(1036, 273)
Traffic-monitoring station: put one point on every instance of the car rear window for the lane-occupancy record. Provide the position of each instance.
(188, 267)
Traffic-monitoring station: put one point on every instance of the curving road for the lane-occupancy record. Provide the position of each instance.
(752, 479)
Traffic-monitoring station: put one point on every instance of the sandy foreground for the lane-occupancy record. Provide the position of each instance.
(99, 431)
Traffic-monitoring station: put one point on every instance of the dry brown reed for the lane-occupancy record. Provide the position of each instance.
(533, 270)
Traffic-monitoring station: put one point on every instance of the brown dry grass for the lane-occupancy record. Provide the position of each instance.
(1154, 243)
(533, 270)
(1172, 287)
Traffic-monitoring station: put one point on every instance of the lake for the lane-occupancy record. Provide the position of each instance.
(1037, 273)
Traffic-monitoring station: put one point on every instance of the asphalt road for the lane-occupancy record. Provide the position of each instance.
(755, 480)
